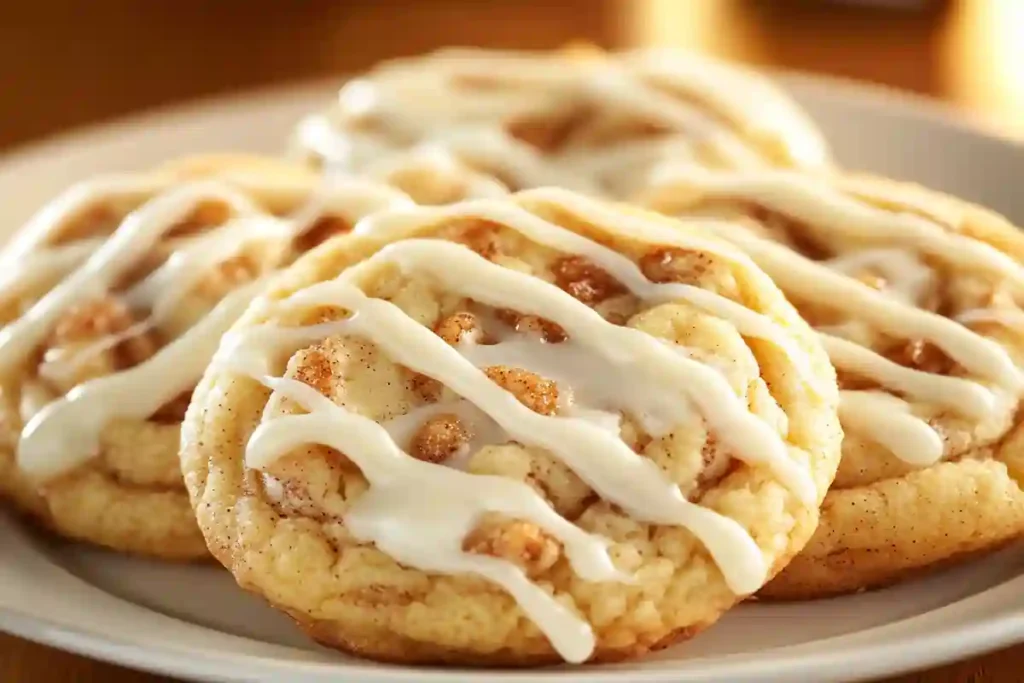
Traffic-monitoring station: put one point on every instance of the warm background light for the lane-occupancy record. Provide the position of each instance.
(64, 62)
(982, 60)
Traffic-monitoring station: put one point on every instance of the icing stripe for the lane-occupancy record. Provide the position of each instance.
(460, 270)
(439, 163)
(133, 239)
(887, 420)
(817, 203)
(404, 492)
(46, 224)
(604, 462)
(955, 393)
(496, 152)
(748, 99)
(1008, 318)
(749, 323)
(883, 242)
(817, 283)
(66, 433)
(471, 104)
(166, 286)
(661, 380)
(43, 265)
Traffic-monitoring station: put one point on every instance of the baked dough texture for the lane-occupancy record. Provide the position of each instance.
(124, 491)
(928, 286)
(283, 526)
(577, 118)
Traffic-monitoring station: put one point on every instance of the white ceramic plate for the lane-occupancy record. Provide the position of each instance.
(193, 622)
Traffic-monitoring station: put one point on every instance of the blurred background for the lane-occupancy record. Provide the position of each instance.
(66, 62)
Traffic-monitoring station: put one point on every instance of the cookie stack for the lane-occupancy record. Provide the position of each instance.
(521, 358)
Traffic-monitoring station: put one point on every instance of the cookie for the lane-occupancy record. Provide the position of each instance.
(113, 300)
(512, 431)
(916, 297)
(579, 119)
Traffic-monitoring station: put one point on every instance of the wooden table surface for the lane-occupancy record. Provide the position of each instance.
(65, 63)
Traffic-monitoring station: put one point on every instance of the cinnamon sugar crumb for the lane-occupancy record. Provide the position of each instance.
(95, 220)
(91, 320)
(550, 133)
(426, 388)
(228, 275)
(482, 238)
(535, 392)
(205, 216)
(322, 230)
(584, 280)
(522, 543)
(460, 327)
(319, 366)
(922, 355)
(849, 381)
(872, 280)
(670, 264)
(550, 332)
(99, 319)
(439, 438)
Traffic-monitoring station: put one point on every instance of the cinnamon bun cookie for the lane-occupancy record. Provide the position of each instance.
(916, 296)
(581, 120)
(512, 431)
(113, 299)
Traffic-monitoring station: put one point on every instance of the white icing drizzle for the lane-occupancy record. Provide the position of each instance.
(621, 92)
(165, 287)
(461, 270)
(483, 429)
(618, 266)
(467, 102)
(135, 237)
(35, 269)
(886, 242)
(641, 375)
(62, 434)
(1009, 318)
(438, 162)
(349, 198)
(45, 226)
(605, 462)
(571, 366)
(814, 282)
(499, 154)
(751, 101)
(888, 420)
(66, 432)
(815, 202)
(623, 169)
(441, 504)
(906, 278)
(955, 393)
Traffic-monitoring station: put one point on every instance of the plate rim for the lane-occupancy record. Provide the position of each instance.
(927, 648)
(884, 657)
